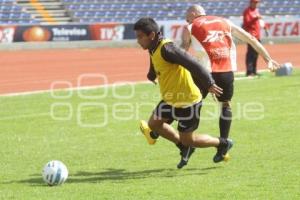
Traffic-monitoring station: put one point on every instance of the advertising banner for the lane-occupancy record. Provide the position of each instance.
(107, 31)
(284, 28)
(69, 32)
(277, 27)
(173, 30)
(51, 33)
(113, 32)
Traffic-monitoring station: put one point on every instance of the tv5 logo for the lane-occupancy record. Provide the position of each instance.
(115, 32)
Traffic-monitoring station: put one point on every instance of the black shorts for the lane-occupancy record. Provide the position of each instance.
(188, 118)
(225, 81)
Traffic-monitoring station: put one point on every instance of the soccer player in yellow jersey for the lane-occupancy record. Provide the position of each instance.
(177, 73)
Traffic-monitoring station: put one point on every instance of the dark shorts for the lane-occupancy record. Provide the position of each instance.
(188, 118)
(225, 81)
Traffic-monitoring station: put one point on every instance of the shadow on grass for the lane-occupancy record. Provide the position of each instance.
(35, 181)
(115, 175)
(111, 174)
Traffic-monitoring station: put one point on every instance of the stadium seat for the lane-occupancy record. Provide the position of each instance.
(128, 11)
(11, 13)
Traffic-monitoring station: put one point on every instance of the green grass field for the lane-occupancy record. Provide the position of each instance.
(115, 162)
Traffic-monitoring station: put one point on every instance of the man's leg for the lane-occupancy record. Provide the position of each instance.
(255, 57)
(224, 126)
(199, 141)
(250, 60)
(161, 126)
(225, 119)
(161, 119)
(165, 130)
(225, 80)
(165, 112)
(204, 141)
(150, 135)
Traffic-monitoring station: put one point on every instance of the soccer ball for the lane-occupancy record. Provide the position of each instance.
(55, 173)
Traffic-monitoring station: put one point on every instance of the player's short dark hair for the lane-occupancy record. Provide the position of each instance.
(146, 25)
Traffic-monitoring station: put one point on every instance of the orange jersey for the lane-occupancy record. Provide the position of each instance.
(212, 40)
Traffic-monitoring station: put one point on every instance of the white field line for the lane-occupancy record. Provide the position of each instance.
(34, 115)
(8, 118)
(73, 88)
(99, 86)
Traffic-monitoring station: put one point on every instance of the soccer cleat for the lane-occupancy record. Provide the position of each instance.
(222, 154)
(226, 157)
(185, 153)
(147, 132)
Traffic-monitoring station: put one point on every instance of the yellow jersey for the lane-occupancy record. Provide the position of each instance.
(177, 87)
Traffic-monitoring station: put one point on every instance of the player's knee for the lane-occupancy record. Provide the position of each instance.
(151, 125)
(187, 140)
(154, 125)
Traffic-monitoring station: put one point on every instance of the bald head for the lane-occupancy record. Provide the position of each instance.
(193, 12)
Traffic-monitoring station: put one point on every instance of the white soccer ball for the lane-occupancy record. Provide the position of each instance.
(55, 173)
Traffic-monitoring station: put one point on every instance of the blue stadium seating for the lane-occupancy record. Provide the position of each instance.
(87, 11)
(128, 11)
(11, 13)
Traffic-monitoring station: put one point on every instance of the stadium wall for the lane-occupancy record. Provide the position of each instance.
(281, 30)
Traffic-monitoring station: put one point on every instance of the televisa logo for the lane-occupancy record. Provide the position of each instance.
(69, 32)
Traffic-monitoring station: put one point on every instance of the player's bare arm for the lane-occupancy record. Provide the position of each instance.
(186, 39)
(246, 37)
